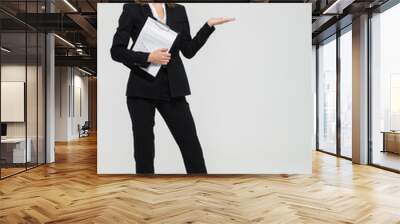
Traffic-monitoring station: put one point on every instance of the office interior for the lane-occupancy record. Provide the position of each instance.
(28, 61)
(335, 74)
(48, 81)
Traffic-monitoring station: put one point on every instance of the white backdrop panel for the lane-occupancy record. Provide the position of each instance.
(12, 101)
(251, 93)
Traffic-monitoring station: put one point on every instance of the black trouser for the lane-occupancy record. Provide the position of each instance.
(178, 117)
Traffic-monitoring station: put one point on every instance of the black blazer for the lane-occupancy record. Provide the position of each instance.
(131, 22)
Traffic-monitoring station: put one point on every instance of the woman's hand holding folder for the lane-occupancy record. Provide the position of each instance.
(159, 57)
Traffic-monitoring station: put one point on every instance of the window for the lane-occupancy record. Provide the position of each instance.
(385, 89)
(327, 97)
(346, 74)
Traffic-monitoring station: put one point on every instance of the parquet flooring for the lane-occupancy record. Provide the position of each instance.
(70, 191)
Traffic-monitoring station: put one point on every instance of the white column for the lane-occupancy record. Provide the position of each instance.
(50, 93)
(360, 90)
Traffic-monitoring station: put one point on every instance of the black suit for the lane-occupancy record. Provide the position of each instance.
(166, 92)
(130, 24)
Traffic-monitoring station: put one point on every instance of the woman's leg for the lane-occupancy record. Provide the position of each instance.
(142, 113)
(178, 117)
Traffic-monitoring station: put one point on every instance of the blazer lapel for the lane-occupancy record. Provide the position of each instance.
(147, 11)
(169, 15)
(170, 22)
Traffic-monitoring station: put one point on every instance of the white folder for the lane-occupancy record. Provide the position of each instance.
(154, 35)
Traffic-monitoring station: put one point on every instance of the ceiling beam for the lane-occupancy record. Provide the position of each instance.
(79, 61)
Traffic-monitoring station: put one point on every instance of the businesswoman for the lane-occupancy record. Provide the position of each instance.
(166, 92)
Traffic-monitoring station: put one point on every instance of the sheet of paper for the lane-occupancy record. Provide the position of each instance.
(154, 35)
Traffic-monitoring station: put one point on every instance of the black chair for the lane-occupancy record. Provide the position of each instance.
(84, 130)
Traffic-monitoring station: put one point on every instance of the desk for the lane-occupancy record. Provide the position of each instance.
(391, 142)
(13, 150)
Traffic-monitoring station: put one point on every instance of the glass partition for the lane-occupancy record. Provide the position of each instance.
(32, 95)
(22, 77)
(14, 153)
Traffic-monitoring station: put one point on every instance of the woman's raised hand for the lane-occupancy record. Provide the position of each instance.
(159, 57)
(219, 21)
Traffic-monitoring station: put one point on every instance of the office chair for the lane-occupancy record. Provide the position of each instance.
(84, 130)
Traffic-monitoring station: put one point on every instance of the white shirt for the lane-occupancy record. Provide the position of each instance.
(155, 14)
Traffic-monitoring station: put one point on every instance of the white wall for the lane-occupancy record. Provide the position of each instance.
(80, 84)
(252, 93)
(61, 103)
(68, 81)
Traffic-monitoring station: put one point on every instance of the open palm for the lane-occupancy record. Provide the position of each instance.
(219, 21)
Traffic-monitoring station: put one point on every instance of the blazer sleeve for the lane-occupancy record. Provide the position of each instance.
(119, 51)
(190, 46)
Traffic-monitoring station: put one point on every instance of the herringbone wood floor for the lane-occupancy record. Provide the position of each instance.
(69, 191)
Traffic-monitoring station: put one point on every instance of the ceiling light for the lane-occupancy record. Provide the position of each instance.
(329, 9)
(64, 40)
(70, 5)
(338, 6)
(84, 71)
(5, 50)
